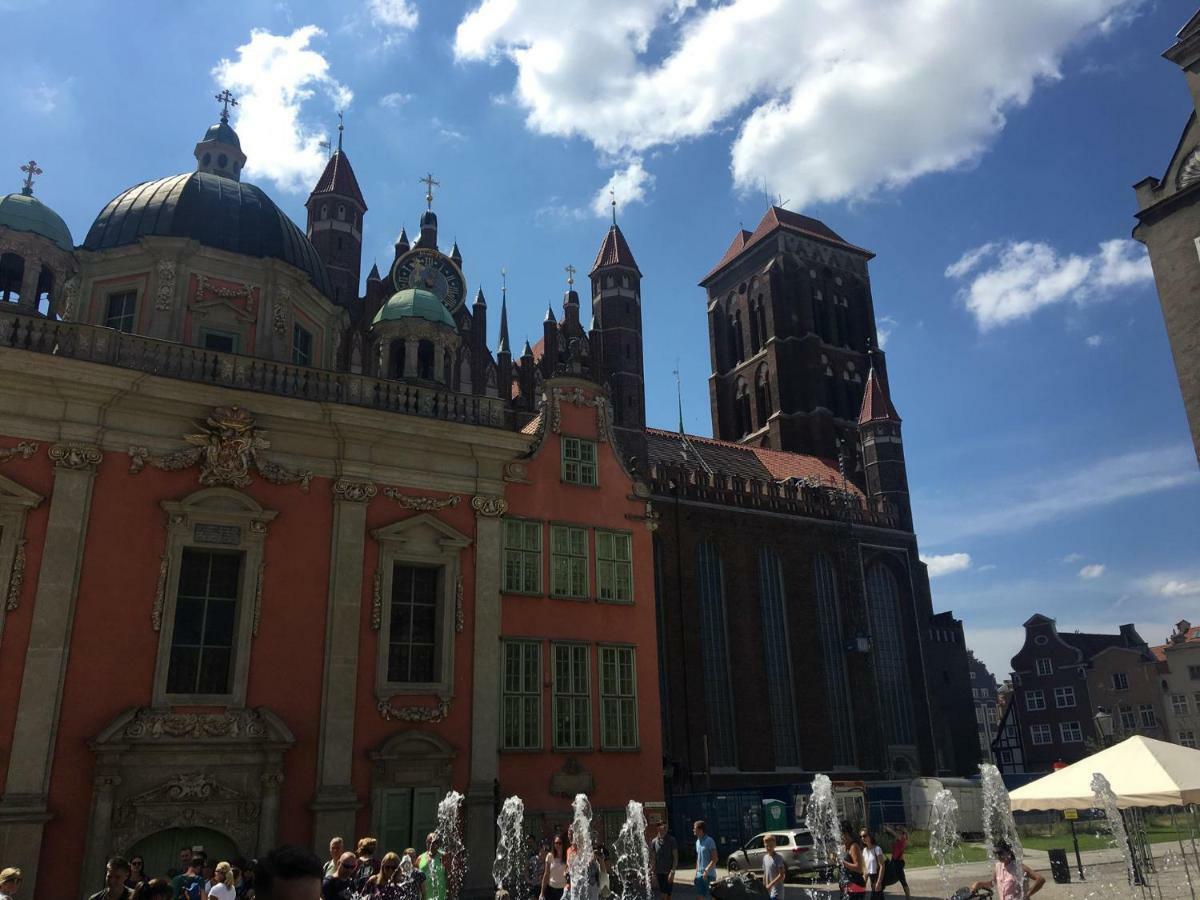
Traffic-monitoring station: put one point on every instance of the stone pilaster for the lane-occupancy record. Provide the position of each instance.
(268, 813)
(335, 802)
(99, 840)
(485, 713)
(23, 809)
(29, 281)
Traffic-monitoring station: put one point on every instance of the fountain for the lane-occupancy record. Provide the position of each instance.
(508, 868)
(1104, 799)
(943, 834)
(581, 859)
(454, 851)
(820, 817)
(632, 867)
(998, 822)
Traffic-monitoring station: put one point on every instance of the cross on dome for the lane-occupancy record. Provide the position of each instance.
(430, 184)
(30, 169)
(226, 100)
(570, 270)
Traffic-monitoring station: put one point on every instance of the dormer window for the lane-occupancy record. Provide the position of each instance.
(223, 161)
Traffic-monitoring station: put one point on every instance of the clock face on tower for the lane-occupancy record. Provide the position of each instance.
(431, 271)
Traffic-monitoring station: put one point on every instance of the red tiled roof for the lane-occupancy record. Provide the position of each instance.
(729, 458)
(876, 404)
(614, 252)
(776, 218)
(1159, 652)
(338, 178)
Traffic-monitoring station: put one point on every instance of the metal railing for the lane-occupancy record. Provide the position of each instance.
(93, 343)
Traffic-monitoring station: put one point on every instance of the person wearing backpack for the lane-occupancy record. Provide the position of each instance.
(190, 884)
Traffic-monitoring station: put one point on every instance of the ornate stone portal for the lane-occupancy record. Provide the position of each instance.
(157, 770)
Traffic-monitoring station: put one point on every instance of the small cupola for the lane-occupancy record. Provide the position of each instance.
(219, 152)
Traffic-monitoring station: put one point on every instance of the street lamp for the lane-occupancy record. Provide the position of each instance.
(1104, 725)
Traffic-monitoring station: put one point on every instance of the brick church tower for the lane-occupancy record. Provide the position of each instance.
(335, 221)
(616, 337)
(791, 329)
(884, 470)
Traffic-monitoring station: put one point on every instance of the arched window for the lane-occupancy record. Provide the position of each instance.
(761, 312)
(396, 359)
(833, 657)
(425, 366)
(341, 211)
(891, 667)
(324, 211)
(780, 694)
(731, 341)
(755, 342)
(762, 395)
(710, 580)
(739, 337)
(741, 409)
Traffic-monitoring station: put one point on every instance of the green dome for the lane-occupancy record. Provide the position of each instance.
(24, 212)
(414, 302)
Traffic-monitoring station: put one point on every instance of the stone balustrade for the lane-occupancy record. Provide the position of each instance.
(791, 497)
(168, 359)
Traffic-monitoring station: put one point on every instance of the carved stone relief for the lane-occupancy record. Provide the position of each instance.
(354, 491)
(423, 504)
(491, 507)
(24, 449)
(165, 293)
(430, 714)
(75, 456)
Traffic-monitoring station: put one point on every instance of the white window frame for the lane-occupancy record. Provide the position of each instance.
(1041, 730)
(1035, 700)
(15, 501)
(1044, 666)
(1064, 697)
(572, 695)
(527, 527)
(1120, 681)
(571, 564)
(1070, 732)
(582, 466)
(213, 519)
(1187, 738)
(111, 295)
(613, 653)
(297, 331)
(1179, 704)
(522, 694)
(1146, 715)
(1128, 718)
(607, 566)
(421, 540)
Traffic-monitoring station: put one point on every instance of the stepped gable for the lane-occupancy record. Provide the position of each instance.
(670, 448)
(777, 218)
(338, 178)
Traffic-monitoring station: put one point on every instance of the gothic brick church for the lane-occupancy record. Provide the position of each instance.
(315, 556)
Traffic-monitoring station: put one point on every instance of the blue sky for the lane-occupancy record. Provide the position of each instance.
(984, 151)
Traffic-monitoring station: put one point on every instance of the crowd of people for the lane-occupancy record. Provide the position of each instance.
(294, 873)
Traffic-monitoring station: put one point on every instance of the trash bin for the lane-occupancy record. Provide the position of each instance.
(1060, 870)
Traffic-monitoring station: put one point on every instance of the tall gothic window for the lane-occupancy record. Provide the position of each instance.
(710, 578)
(739, 337)
(832, 642)
(762, 395)
(891, 669)
(761, 313)
(741, 408)
(778, 658)
(755, 337)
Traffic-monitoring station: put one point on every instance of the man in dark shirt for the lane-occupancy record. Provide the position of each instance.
(341, 884)
(665, 853)
(115, 873)
(288, 873)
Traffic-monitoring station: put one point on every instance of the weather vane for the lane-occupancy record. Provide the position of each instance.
(570, 270)
(341, 128)
(227, 100)
(30, 169)
(503, 281)
(613, 199)
(325, 145)
(430, 184)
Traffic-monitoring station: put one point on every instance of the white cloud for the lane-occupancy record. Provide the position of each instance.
(628, 185)
(1013, 280)
(1072, 558)
(990, 567)
(394, 100)
(1031, 498)
(947, 564)
(885, 326)
(274, 76)
(1094, 340)
(398, 14)
(828, 100)
(448, 133)
(1095, 570)
(1176, 588)
(1171, 585)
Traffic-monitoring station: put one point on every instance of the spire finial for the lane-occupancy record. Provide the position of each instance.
(227, 100)
(503, 282)
(612, 194)
(30, 169)
(341, 128)
(430, 184)
(679, 394)
(570, 270)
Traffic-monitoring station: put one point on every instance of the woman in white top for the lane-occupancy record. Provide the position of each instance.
(223, 883)
(554, 874)
(10, 881)
(872, 863)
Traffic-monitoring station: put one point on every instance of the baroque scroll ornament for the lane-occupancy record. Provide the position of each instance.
(227, 446)
(430, 714)
(491, 507)
(166, 285)
(24, 449)
(75, 456)
(354, 491)
(423, 504)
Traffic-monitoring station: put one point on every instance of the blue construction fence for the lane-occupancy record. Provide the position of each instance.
(733, 817)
